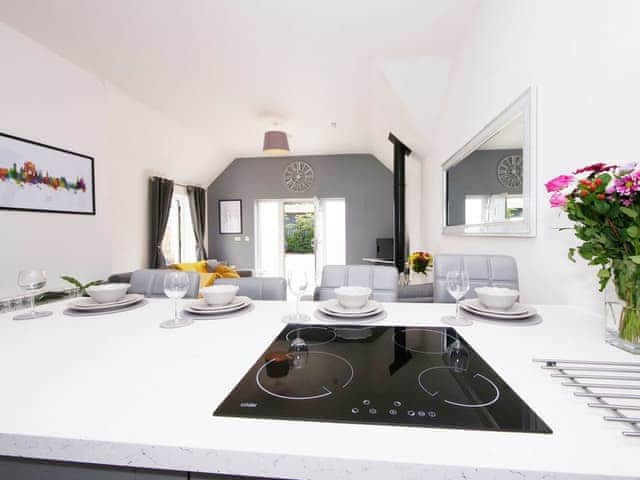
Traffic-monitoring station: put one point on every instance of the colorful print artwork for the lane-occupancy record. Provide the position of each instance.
(38, 177)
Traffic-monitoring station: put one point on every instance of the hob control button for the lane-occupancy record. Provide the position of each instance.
(397, 403)
(421, 413)
(373, 411)
(393, 411)
(431, 414)
(411, 413)
(366, 402)
(355, 410)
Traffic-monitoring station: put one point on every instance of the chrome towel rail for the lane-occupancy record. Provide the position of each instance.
(595, 386)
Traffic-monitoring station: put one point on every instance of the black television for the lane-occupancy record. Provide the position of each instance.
(384, 248)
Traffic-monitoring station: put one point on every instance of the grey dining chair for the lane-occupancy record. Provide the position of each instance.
(382, 280)
(150, 282)
(483, 270)
(258, 288)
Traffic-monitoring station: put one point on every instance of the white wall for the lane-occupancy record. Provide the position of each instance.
(142, 143)
(46, 99)
(583, 56)
(43, 97)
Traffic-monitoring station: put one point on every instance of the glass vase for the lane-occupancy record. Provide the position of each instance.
(622, 307)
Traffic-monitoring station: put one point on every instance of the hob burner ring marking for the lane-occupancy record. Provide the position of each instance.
(326, 393)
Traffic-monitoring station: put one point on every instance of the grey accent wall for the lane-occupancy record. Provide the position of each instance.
(364, 183)
(475, 175)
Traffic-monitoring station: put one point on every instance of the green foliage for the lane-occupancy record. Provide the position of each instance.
(76, 283)
(299, 233)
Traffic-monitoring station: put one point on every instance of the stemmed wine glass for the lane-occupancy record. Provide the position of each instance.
(32, 281)
(297, 282)
(457, 286)
(176, 285)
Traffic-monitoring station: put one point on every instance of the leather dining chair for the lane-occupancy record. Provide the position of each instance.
(483, 270)
(382, 280)
(258, 288)
(150, 282)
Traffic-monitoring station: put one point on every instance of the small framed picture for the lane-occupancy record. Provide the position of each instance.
(230, 216)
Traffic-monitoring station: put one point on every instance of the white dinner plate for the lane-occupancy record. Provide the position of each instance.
(202, 308)
(528, 314)
(516, 308)
(334, 306)
(88, 304)
(354, 316)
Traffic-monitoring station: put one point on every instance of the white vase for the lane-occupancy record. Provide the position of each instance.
(416, 278)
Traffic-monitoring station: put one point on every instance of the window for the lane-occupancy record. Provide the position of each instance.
(179, 242)
(479, 209)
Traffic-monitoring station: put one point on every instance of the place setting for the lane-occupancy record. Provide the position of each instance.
(492, 303)
(105, 299)
(218, 301)
(352, 304)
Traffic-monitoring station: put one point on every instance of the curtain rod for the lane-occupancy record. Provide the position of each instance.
(177, 183)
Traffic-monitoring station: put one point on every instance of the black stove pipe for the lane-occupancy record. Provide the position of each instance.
(400, 152)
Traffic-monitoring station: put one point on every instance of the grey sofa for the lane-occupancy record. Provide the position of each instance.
(382, 280)
(483, 270)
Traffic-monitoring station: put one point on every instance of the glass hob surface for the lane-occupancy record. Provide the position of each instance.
(408, 376)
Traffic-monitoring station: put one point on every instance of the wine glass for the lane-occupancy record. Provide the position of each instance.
(31, 281)
(176, 285)
(297, 282)
(457, 286)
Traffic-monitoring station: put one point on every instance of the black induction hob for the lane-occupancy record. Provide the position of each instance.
(409, 376)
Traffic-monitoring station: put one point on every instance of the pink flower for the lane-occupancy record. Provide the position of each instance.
(595, 168)
(559, 183)
(558, 200)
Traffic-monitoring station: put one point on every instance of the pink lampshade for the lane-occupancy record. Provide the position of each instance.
(275, 142)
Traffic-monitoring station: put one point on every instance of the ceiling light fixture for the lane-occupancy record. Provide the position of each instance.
(275, 142)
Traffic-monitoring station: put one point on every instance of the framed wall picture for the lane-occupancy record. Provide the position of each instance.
(40, 178)
(230, 216)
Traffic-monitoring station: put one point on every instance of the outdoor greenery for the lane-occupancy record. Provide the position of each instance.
(298, 232)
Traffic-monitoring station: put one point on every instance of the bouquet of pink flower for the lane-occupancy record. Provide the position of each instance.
(603, 202)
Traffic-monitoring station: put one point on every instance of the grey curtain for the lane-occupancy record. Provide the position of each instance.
(160, 195)
(198, 207)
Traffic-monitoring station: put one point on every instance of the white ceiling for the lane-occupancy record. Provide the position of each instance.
(229, 68)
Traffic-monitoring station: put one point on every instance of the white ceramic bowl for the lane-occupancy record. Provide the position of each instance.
(217, 295)
(353, 297)
(108, 292)
(497, 297)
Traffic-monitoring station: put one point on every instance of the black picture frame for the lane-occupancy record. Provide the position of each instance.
(228, 230)
(91, 190)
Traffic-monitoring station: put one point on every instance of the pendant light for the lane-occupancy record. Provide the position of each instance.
(275, 142)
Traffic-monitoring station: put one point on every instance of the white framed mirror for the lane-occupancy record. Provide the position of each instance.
(489, 185)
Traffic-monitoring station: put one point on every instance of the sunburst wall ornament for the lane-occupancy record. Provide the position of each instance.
(298, 176)
(509, 171)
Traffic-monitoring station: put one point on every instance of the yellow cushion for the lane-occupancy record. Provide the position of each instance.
(200, 267)
(207, 279)
(226, 271)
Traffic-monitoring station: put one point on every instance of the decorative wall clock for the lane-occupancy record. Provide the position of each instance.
(298, 176)
(509, 171)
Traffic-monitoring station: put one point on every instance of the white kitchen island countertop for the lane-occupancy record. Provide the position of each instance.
(118, 390)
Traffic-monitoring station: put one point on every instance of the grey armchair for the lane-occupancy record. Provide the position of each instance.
(258, 288)
(483, 270)
(381, 279)
(150, 282)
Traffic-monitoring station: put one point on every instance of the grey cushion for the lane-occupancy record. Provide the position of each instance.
(483, 270)
(212, 264)
(382, 280)
(150, 282)
(258, 288)
(124, 277)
